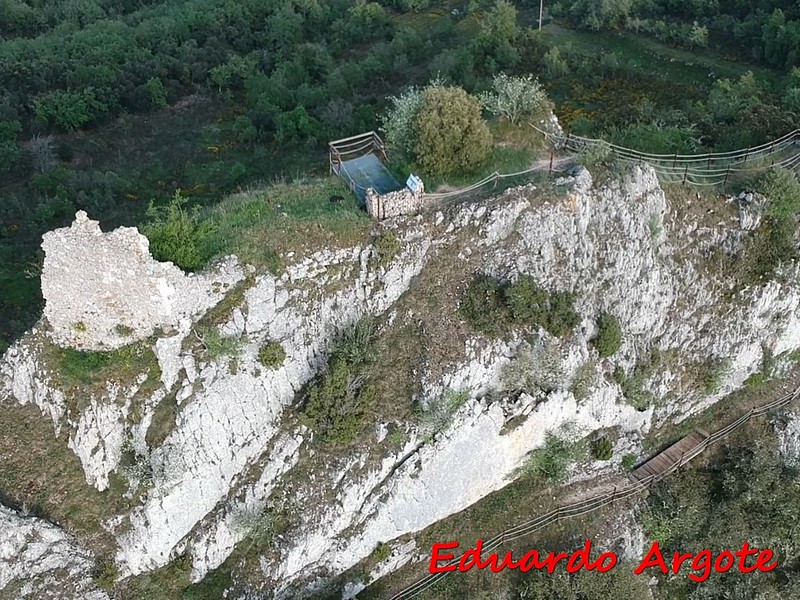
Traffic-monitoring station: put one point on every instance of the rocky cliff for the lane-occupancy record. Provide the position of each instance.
(235, 447)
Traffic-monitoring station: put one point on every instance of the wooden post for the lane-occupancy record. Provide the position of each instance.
(746, 154)
(541, 12)
(550, 172)
(675, 160)
(727, 172)
(685, 172)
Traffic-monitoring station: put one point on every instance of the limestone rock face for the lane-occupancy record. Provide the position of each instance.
(39, 561)
(236, 446)
(104, 290)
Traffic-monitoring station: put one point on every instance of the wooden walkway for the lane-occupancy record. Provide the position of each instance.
(676, 455)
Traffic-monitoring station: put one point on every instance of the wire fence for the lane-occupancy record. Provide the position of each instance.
(701, 170)
(597, 501)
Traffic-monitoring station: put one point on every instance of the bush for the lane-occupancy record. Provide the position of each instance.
(483, 305)
(633, 387)
(381, 552)
(609, 335)
(449, 134)
(552, 462)
(562, 318)
(337, 402)
(602, 448)
(538, 367)
(629, 462)
(529, 304)
(106, 575)
(709, 374)
(271, 355)
(490, 307)
(387, 246)
(178, 235)
(596, 154)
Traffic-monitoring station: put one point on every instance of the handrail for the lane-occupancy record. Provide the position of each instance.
(599, 500)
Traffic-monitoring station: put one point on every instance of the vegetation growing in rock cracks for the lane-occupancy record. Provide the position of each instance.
(609, 335)
(491, 306)
(602, 448)
(337, 401)
(271, 354)
(551, 463)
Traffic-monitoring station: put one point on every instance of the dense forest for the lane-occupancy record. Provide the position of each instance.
(107, 104)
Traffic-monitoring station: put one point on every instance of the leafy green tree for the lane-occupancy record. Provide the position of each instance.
(449, 134)
(517, 98)
(9, 150)
(499, 33)
(155, 89)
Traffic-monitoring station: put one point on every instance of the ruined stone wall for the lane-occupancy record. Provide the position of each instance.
(104, 290)
(393, 204)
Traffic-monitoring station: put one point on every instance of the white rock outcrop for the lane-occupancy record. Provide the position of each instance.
(39, 561)
(236, 444)
(104, 290)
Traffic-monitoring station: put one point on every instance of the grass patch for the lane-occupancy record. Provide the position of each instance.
(88, 368)
(44, 476)
(261, 226)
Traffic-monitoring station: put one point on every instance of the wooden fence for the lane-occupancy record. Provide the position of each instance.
(642, 478)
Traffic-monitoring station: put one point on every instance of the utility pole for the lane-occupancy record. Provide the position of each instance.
(541, 11)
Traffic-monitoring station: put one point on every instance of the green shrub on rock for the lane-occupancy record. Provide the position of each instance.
(271, 355)
(609, 335)
(602, 448)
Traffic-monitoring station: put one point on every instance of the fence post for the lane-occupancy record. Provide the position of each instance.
(675, 160)
(685, 172)
(613, 494)
(747, 153)
(550, 172)
(680, 462)
(727, 172)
